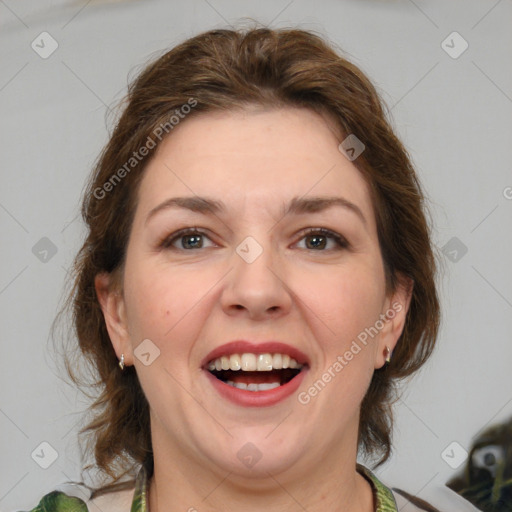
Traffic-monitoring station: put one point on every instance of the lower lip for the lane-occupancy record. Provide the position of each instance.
(256, 398)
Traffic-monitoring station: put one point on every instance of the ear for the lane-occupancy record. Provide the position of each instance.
(394, 315)
(112, 304)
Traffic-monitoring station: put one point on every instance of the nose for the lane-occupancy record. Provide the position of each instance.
(256, 288)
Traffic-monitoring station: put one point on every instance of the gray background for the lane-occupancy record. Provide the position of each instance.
(454, 115)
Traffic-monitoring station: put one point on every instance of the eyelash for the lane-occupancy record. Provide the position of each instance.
(340, 240)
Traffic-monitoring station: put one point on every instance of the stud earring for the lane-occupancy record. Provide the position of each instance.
(388, 355)
(121, 362)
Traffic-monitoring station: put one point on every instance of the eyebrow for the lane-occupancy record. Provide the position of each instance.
(297, 206)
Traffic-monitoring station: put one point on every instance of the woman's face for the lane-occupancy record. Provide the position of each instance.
(254, 276)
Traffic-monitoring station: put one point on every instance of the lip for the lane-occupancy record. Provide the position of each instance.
(247, 347)
(256, 398)
(247, 398)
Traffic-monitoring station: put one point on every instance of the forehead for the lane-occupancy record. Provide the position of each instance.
(253, 159)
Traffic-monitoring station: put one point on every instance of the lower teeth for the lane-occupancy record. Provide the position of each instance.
(264, 386)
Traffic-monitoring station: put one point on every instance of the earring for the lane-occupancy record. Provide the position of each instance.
(121, 362)
(388, 355)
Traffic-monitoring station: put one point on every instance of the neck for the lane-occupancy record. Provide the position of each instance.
(331, 484)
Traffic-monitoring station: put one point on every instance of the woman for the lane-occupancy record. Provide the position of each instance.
(257, 276)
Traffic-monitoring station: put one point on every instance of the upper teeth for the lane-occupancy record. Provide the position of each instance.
(254, 362)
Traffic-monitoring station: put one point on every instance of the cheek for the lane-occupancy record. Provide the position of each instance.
(347, 301)
(164, 306)
(354, 303)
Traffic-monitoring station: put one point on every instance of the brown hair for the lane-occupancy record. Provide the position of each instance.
(227, 70)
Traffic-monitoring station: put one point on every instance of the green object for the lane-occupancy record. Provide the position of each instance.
(382, 495)
(60, 502)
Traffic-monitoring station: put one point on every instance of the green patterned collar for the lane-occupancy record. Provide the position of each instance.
(382, 495)
(140, 495)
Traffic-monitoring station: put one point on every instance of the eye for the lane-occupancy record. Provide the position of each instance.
(318, 239)
(186, 239)
(193, 238)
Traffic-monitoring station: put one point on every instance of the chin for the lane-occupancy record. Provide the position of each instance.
(255, 453)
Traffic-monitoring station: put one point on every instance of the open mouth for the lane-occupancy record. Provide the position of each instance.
(255, 372)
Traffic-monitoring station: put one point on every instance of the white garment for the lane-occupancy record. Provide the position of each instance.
(440, 497)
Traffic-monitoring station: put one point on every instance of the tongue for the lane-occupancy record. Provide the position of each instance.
(256, 377)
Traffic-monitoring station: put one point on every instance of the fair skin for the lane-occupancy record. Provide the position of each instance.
(316, 297)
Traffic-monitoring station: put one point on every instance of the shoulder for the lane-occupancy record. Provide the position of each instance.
(58, 501)
(438, 498)
(413, 503)
(74, 499)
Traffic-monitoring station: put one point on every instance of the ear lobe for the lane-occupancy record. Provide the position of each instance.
(112, 305)
(397, 307)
